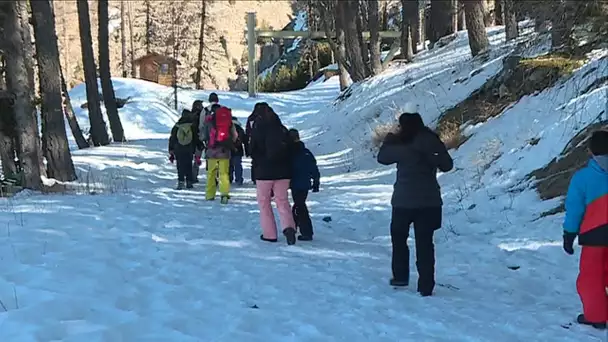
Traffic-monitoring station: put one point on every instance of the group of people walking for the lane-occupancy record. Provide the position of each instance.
(280, 162)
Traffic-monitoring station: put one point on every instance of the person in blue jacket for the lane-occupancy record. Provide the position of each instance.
(305, 177)
(587, 218)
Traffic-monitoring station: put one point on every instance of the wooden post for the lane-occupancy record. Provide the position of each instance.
(251, 40)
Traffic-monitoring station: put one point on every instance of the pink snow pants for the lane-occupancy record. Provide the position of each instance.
(264, 188)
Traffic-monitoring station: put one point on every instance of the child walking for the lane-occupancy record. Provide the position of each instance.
(305, 177)
(182, 145)
(587, 218)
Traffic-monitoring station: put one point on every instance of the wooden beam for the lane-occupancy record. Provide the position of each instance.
(391, 54)
(316, 34)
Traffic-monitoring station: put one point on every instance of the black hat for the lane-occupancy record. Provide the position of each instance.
(213, 97)
(598, 143)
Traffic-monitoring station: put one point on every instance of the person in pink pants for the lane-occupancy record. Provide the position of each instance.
(264, 190)
(271, 151)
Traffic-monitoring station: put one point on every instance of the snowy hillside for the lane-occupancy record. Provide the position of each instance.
(139, 261)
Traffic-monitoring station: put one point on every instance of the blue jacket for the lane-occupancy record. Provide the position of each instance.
(304, 166)
(587, 203)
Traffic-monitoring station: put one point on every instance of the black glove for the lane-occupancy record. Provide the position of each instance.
(569, 242)
(315, 187)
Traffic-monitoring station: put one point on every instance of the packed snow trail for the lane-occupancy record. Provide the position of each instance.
(140, 261)
(150, 263)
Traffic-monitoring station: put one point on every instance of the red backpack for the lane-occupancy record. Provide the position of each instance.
(221, 124)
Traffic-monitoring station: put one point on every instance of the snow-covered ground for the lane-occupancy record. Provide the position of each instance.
(139, 261)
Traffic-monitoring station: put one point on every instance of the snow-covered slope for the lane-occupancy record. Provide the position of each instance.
(141, 262)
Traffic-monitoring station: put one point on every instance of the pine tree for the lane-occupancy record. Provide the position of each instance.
(20, 81)
(109, 98)
(99, 132)
(478, 38)
(55, 145)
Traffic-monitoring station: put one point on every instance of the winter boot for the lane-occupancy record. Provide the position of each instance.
(398, 283)
(189, 185)
(304, 238)
(180, 186)
(267, 240)
(224, 199)
(290, 235)
(582, 320)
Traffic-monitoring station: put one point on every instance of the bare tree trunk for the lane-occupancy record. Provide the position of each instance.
(7, 151)
(563, 22)
(363, 47)
(441, 20)
(123, 39)
(462, 20)
(81, 142)
(384, 15)
(356, 67)
(408, 8)
(8, 144)
(55, 145)
(148, 26)
(99, 133)
(201, 46)
(19, 80)
(454, 15)
(488, 8)
(478, 38)
(109, 97)
(66, 49)
(132, 43)
(335, 14)
(499, 9)
(374, 37)
(511, 28)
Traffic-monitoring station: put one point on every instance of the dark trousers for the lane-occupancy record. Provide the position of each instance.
(236, 169)
(426, 221)
(300, 212)
(252, 168)
(183, 161)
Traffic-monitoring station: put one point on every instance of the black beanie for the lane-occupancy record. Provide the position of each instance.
(598, 143)
(214, 98)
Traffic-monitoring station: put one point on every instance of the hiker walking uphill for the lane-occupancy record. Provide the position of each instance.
(418, 153)
(305, 177)
(236, 160)
(255, 115)
(182, 145)
(587, 218)
(219, 136)
(197, 109)
(271, 154)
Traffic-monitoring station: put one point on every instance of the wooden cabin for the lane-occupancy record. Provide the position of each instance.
(157, 68)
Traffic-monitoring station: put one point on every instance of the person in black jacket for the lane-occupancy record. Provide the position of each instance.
(418, 153)
(183, 143)
(236, 158)
(305, 177)
(258, 109)
(197, 109)
(271, 153)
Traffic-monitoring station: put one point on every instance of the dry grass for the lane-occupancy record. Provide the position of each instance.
(564, 65)
(380, 132)
(528, 77)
